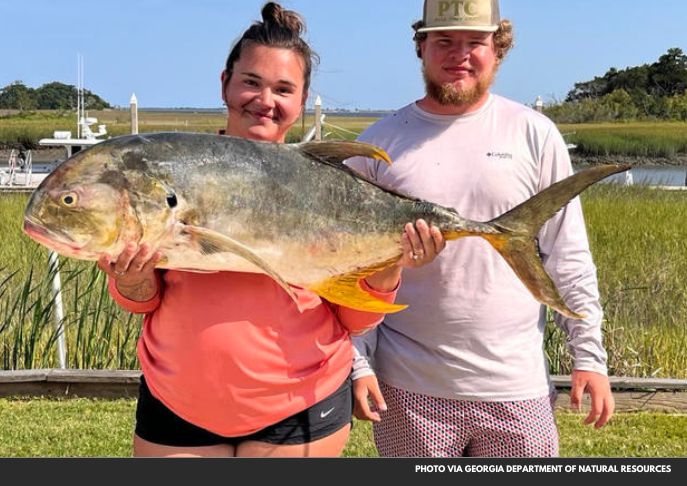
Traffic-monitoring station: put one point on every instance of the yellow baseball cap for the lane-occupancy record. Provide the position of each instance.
(479, 15)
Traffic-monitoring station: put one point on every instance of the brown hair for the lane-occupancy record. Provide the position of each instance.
(279, 28)
(503, 38)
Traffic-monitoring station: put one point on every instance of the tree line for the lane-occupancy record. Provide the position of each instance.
(655, 91)
(650, 91)
(50, 96)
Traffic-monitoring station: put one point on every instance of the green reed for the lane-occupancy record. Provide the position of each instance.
(97, 332)
(637, 236)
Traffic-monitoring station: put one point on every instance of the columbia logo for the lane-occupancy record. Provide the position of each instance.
(500, 155)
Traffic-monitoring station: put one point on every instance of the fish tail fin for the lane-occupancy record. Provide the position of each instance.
(522, 255)
(528, 217)
(517, 230)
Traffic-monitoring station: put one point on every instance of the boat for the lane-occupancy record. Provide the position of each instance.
(85, 137)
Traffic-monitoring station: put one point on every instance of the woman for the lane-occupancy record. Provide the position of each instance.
(232, 366)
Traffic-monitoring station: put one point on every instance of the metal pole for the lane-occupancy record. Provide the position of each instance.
(133, 105)
(28, 168)
(59, 311)
(78, 96)
(318, 118)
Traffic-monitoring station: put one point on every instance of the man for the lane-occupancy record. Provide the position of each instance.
(462, 371)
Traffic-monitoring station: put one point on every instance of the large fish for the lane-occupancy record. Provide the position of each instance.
(291, 211)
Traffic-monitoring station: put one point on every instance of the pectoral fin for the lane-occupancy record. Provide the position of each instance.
(345, 290)
(336, 152)
(212, 242)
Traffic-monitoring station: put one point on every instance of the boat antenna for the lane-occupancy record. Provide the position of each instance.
(79, 94)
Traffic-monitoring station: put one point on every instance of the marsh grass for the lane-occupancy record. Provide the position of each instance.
(637, 236)
(99, 335)
(636, 139)
(30, 128)
(646, 140)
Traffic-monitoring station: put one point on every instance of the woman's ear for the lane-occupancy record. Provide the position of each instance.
(224, 78)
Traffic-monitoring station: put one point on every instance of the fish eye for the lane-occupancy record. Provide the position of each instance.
(69, 199)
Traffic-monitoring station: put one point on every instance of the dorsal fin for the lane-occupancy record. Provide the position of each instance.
(336, 152)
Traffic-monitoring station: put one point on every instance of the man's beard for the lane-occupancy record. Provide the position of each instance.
(448, 95)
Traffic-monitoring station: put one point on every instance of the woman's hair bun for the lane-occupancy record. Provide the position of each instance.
(273, 13)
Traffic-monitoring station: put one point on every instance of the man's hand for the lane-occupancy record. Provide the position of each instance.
(421, 244)
(364, 390)
(599, 389)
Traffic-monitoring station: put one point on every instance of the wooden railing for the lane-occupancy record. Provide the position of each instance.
(631, 394)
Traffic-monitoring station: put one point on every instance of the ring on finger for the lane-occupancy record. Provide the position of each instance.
(118, 273)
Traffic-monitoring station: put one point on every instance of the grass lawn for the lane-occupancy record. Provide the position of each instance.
(103, 428)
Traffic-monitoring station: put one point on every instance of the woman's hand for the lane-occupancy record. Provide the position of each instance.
(366, 392)
(133, 271)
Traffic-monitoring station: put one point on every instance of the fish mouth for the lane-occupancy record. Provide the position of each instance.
(58, 241)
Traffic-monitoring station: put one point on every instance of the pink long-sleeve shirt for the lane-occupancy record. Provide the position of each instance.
(232, 353)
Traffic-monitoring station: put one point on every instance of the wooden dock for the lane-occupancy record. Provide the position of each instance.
(631, 394)
(20, 183)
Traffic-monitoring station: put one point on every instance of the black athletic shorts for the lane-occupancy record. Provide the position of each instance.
(158, 424)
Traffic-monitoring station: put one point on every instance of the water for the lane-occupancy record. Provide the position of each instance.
(42, 168)
(653, 176)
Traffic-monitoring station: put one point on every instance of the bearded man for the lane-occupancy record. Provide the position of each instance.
(462, 371)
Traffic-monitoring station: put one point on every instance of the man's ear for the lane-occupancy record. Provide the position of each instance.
(420, 48)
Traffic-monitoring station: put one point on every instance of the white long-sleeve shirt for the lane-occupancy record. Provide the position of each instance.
(472, 330)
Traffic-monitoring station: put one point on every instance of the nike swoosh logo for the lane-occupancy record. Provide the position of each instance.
(325, 414)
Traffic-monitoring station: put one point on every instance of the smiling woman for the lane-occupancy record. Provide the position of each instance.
(265, 95)
(233, 364)
(267, 76)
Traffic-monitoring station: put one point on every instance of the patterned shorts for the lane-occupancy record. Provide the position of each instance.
(422, 426)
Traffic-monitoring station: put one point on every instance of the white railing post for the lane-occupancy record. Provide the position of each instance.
(59, 311)
(12, 163)
(318, 118)
(28, 168)
(310, 134)
(133, 107)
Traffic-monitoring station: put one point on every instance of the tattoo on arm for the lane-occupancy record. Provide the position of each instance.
(140, 291)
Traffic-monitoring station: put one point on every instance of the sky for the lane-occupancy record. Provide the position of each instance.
(170, 53)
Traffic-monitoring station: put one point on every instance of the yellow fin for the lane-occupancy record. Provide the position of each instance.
(345, 290)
